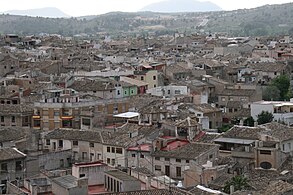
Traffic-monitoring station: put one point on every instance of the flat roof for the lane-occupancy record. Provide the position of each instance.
(120, 175)
(91, 164)
(275, 103)
(67, 181)
(127, 115)
(235, 140)
(142, 147)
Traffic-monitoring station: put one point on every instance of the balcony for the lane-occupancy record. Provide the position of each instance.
(243, 152)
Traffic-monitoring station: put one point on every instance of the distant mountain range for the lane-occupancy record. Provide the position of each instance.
(182, 6)
(50, 12)
(261, 21)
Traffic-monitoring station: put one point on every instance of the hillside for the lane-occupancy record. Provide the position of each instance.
(266, 20)
(50, 12)
(182, 6)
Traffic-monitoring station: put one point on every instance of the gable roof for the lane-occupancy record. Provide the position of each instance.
(80, 135)
(10, 154)
(11, 134)
(189, 151)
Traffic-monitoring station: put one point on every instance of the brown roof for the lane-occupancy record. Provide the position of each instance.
(279, 131)
(278, 187)
(268, 67)
(188, 122)
(188, 151)
(11, 134)
(243, 132)
(91, 85)
(10, 154)
(238, 92)
(128, 135)
(91, 136)
(15, 108)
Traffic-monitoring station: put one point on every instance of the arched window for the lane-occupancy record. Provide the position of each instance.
(266, 165)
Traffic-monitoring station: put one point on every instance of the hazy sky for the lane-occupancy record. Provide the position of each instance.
(94, 7)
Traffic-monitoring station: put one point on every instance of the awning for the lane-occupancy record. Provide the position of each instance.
(66, 117)
(127, 115)
(234, 140)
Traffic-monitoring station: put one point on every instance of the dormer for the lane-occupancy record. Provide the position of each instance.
(187, 128)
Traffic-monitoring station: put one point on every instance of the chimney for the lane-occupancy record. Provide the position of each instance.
(231, 189)
(255, 124)
(241, 123)
(82, 182)
(20, 94)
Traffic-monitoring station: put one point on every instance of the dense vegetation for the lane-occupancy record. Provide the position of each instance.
(266, 20)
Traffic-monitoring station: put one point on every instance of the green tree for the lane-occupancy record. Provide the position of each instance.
(265, 117)
(249, 122)
(239, 182)
(282, 83)
(271, 93)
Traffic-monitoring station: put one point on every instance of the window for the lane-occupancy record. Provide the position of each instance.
(61, 163)
(158, 168)
(187, 161)
(265, 152)
(56, 113)
(84, 155)
(48, 142)
(75, 143)
(108, 149)
(92, 145)
(2, 119)
(118, 92)
(210, 156)
(113, 150)
(4, 168)
(157, 158)
(119, 150)
(178, 171)
(169, 91)
(81, 175)
(154, 78)
(141, 78)
(115, 108)
(86, 121)
(92, 155)
(60, 143)
(265, 165)
(113, 162)
(178, 160)
(167, 159)
(133, 155)
(177, 92)
(108, 160)
(141, 156)
(13, 119)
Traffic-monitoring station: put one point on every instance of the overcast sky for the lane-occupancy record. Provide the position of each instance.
(94, 7)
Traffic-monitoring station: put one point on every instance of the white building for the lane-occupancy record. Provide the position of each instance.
(169, 91)
(282, 111)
